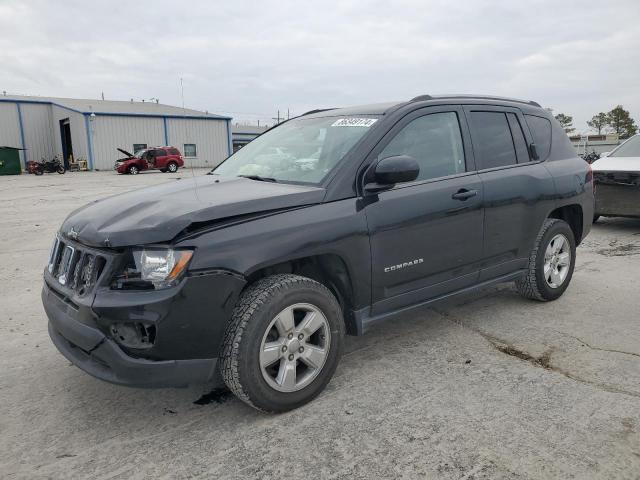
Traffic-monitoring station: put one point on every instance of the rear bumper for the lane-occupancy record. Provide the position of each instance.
(617, 200)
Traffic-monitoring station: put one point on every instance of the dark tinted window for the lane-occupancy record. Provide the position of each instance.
(190, 150)
(492, 140)
(518, 138)
(160, 153)
(174, 151)
(434, 141)
(541, 132)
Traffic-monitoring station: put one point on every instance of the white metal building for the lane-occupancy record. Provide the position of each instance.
(92, 130)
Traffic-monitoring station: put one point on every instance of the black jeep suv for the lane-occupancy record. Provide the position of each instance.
(323, 226)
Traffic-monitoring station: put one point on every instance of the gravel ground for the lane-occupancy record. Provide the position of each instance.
(486, 386)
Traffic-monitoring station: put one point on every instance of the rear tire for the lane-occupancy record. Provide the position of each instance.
(271, 334)
(551, 262)
(39, 171)
(172, 167)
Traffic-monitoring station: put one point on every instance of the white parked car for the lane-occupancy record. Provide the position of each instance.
(617, 181)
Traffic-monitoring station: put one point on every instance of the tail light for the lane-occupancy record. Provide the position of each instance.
(589, 177)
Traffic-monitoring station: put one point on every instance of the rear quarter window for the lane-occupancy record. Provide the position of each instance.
(541, 131)
(174, 151)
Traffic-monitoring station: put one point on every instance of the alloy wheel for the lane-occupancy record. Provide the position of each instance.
(295, 347)
(557, 261)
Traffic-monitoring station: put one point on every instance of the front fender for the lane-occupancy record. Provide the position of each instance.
(336, 228)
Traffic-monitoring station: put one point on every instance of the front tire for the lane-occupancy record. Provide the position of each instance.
(551, 262)
(283, 343)
(61, 170)
(133, 170)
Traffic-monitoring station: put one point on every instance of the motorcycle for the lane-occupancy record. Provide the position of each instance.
(590, 157)
(48, 166)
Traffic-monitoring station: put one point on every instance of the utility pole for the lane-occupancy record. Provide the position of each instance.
(277, 119)
(287, 114)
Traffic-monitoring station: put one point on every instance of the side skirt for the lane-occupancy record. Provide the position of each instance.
(364, 321)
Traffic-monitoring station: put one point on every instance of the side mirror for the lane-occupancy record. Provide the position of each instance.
(392, 170)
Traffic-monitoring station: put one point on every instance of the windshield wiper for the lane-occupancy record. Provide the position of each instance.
(259, 178)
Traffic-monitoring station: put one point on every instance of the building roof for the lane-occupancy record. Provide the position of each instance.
(248, 129)
(114, 107)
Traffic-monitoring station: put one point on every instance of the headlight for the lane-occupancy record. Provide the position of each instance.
(162, 267)
(153, 267)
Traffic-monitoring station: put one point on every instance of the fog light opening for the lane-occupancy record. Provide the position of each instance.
(134, 335)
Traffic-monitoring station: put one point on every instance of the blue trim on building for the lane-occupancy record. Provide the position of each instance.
(243, 137)
(229, 140)
(38, 102)
(87, 127)
(166, 132)
(120, 114)
(159, 115)
(21, 125)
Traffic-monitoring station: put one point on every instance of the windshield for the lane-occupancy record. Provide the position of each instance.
(140, 153)
(300, 150)
(630, 148)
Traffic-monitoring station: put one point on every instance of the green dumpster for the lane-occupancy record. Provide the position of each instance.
(10, 161)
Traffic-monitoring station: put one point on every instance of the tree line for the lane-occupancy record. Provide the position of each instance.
(618, 121)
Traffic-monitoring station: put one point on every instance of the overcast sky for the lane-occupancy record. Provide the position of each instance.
(249, 59)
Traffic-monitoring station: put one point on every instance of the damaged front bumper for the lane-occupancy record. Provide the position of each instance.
(188, 322)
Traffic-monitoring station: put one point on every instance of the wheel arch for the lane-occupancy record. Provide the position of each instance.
(329, 269)
(573, 215)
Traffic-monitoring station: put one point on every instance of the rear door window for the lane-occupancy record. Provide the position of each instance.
(541, 132)
(492, 141)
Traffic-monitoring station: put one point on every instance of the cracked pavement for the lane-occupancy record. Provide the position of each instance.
(483, 386)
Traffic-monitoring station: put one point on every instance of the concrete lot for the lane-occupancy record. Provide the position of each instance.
(488, 386)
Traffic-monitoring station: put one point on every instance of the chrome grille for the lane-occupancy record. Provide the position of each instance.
(75, 267)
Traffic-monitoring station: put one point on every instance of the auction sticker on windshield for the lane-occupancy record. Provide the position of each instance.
(354, 122)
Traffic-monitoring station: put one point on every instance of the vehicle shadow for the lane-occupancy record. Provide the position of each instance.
(619, 224)
(144, 407)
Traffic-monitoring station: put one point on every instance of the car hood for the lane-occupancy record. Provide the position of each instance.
(616, 164)
(129, 155)
(159, 213)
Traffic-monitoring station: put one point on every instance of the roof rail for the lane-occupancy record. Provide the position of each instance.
(423, 98)
(317, 110)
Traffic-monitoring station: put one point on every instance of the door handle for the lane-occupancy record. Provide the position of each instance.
(463, 194)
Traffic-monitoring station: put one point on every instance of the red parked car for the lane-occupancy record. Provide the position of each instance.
(165, 159)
